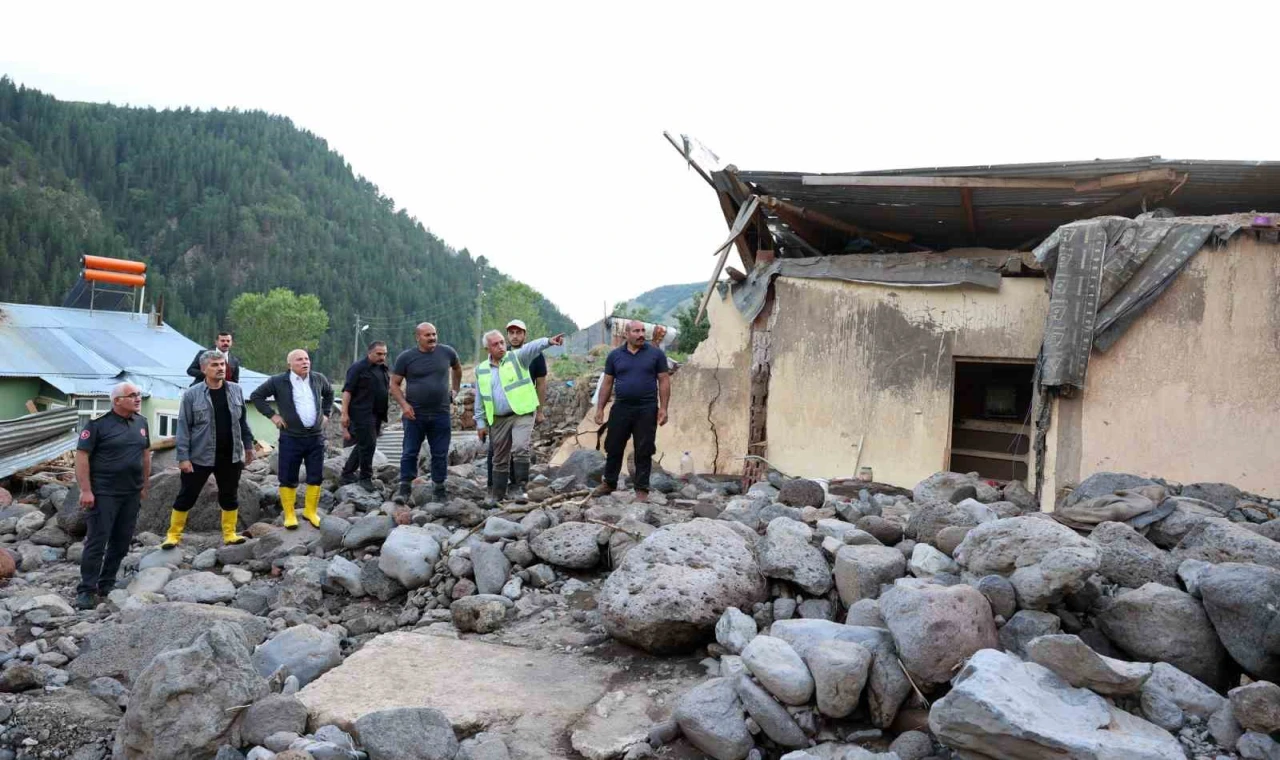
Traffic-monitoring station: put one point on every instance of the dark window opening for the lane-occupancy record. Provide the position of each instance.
(991, 419)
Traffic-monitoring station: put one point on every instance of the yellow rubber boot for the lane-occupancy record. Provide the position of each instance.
(288, 498)
(177, 522)
(229, 535)
(309, 509)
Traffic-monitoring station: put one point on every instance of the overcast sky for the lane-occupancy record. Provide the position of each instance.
(531, 133)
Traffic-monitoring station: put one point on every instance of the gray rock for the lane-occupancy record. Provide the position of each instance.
(575, 545)
(150, 581)
(170, 558)
(498, 528)
(1185, 514)
(887, 685)
(865, 612)
(1161, 624)
(950, 538)
(236, 554)
(670, 591)
(840, 670)
(1044, 560)
(121, 648)
(483, 613)
(802, 493)
(409, 555)
(378, 584)
(861, 570)
(1224, 727)
(304, 650)
(710, 716)
(365, 501)
(110, 691)
(777, 666)
(821, 608)
(1170, 695)
(585, 466)
(931, 518)
(344, 574)
(936, 628)
(1018, 494)
(519, 553)
(256, 597)
(773, 718)
(200, 588)
(1105, 484)
(205, 560)
(1191, 572)
(1130, 560)
(1000, 707)
(1222, 495)
(1025, 626)
(490, 567)
(786, 554)
(1000, 595)
(407, 733)
(332, 531)
(541, 576)
(1219, 541)
(367, 531)
(927, 562)
(1078, 665)
(1240, 600)
(735, 630)
(784, 608)
(1257, 746)
(1257, 706)
(884, 531)
(182, 704)
(271, 714)
(953, 487)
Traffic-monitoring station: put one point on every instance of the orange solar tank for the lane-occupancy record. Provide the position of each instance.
(112, 265)
(116, 278)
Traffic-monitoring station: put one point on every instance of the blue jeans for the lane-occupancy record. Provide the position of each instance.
(436, 429)
(294, 452)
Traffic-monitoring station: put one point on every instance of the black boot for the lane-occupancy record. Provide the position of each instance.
(404, 494)
(367, 484)
(497, 491)
(440, 493)
(519, 481)
(86, 600)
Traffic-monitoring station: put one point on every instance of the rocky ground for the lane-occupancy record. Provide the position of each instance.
(799, 620)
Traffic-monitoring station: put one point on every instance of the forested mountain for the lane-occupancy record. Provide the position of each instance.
(221, 203)
(663, 302)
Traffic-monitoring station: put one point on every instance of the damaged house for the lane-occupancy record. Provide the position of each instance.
(1036, 322)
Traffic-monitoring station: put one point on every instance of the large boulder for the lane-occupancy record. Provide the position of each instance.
(575, 545)
(860, 571)
(802, 493)
(206, 515)
(409, 555)
(1241, 601)
(786, 554)
(711, 717)
(953, 487)
(278, 712)
(670, 591)
(585, 466)
(1044, 560)
(777, 666)
(407, 733)
(1078, 665)
(1183, 515)
(184, 704)
(1001, 707)
(840, 670)
(1169, 696)
(1156, 623)
(200, 588)
(931, 518)
(1219, 541)
(1105, 484)
(936, 628)
(1222, 495)
(304, 650)
(1130, 560)
(122, 648)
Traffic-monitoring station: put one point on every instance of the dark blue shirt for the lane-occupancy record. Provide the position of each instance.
(635, 376)
(115, 446)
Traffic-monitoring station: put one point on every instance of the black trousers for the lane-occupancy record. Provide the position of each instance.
(294, 452)
(365, 431)
(110, 524)
(226, 474)
(631, 421)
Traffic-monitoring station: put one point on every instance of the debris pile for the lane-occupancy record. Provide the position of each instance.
(789, 621)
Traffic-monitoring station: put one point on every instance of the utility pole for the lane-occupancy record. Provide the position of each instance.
(355, 346)
(479, 314)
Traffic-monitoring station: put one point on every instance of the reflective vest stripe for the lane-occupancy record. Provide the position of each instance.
(517, 386)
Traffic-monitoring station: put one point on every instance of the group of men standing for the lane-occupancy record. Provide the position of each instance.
(213, 438)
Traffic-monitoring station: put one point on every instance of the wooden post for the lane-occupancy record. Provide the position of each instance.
(754, 470)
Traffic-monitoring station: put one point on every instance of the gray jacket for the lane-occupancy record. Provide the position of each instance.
(197, 431)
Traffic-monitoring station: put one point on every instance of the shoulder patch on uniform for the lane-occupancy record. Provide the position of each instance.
(84, 435)
(143, 432)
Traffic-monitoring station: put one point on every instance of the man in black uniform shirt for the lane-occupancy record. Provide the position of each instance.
(222, 346)
(364, 410)
(113, 464)
(212, 433)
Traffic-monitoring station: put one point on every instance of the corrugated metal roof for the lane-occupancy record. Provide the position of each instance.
(38, 454)
(22, 432)
(1013, 217)
(84, 353)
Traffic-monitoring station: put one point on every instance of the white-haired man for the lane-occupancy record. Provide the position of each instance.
(508, 401)
(113, 464)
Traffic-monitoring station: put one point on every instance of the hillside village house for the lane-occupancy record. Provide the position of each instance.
(53, 357)
(1029, 322)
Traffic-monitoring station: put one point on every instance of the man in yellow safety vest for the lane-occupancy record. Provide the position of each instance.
(508, 400)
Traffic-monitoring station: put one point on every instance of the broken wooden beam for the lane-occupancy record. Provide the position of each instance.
(1107, 182)
(785, 210)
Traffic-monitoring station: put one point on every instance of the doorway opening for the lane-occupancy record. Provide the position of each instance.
(991, 419)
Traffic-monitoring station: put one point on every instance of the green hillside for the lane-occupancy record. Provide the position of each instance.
(221, 203)
(665, 301)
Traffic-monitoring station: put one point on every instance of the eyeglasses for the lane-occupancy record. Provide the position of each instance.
(130, 395)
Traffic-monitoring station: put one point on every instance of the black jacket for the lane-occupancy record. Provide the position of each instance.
(233, 368)
(279, 387)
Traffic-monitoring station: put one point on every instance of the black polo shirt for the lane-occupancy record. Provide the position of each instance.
(635, 376)
(369, 385)
(115, 446)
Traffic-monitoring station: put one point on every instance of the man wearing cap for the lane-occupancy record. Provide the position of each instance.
(507, 400)
(113, 465)
(516, 334)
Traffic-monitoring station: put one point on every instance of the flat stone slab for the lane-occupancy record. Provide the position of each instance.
(529, 697)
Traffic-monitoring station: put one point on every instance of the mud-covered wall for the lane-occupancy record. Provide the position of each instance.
(1189, 393)
(854, 360)
(709, 406)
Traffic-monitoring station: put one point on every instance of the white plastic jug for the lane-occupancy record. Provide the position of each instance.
(686, 465)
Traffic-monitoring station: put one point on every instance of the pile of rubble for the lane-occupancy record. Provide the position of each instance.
(797, 620)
